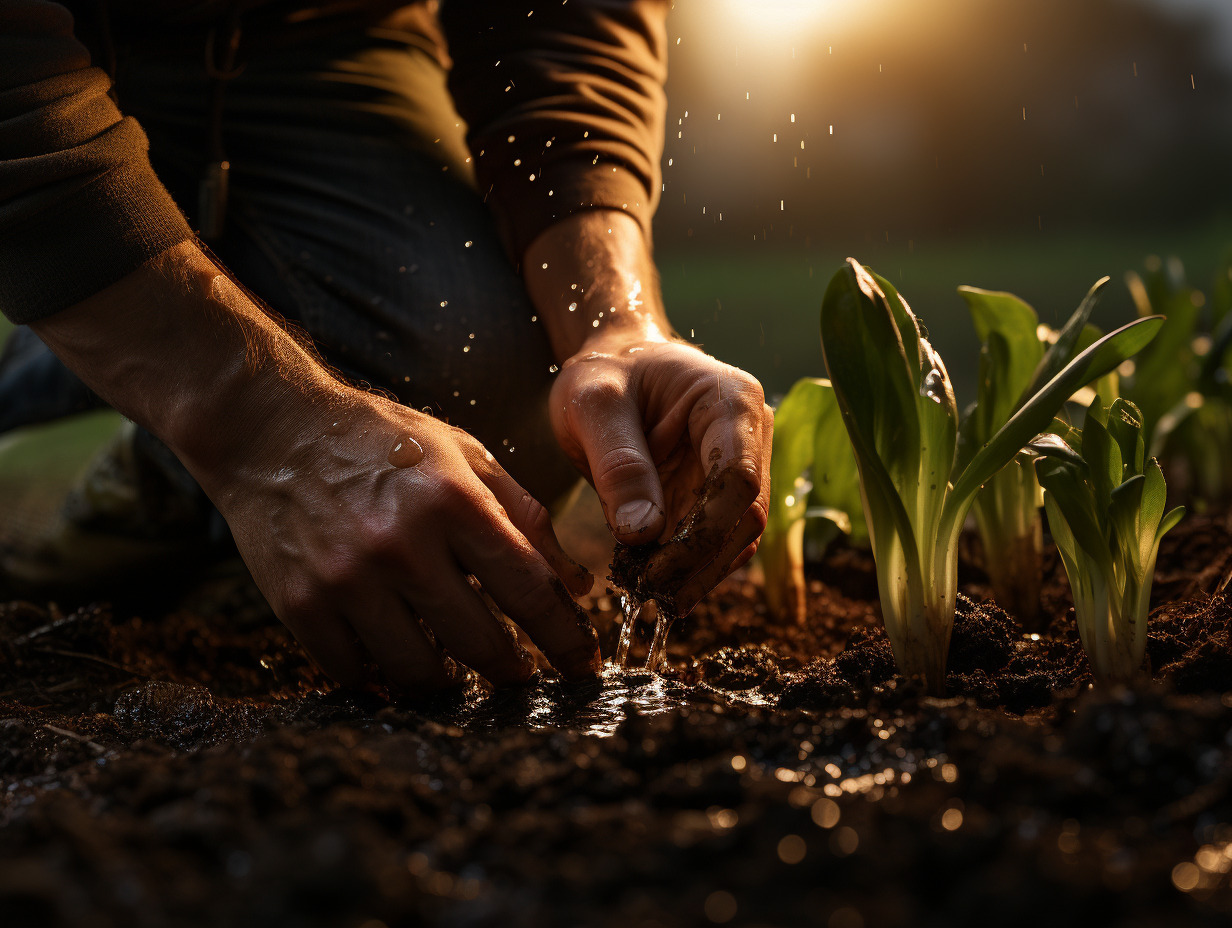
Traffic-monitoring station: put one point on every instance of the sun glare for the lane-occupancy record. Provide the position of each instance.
(783, 19)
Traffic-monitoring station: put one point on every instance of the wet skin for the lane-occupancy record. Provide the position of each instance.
(364, 522)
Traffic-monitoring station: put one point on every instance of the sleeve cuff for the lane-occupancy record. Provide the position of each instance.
(92, 238)
(525, 208)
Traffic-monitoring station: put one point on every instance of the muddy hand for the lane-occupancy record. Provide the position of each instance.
(365, 540)
(664, 431)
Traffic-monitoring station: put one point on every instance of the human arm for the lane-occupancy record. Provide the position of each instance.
(348, 548)
(565, 109)
(352, 551)
(642, 413)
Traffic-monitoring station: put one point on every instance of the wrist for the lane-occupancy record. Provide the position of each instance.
(592, 280)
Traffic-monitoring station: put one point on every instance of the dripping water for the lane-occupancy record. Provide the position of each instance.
(631, 608)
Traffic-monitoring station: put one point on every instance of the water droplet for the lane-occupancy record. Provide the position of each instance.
(406, 452)
(572, 307)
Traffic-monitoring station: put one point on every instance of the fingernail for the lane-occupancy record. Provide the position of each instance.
(635, 516)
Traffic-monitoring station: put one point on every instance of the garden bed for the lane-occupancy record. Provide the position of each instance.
(185, 765)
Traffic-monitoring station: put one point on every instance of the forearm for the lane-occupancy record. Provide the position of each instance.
(591, 277)
(178, 348)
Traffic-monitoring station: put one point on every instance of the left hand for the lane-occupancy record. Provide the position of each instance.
(646, 420)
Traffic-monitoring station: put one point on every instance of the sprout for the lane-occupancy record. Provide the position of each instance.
(1182, 382)
(1106, 512)
(899, 409)
(812, 475)
(1016, 359)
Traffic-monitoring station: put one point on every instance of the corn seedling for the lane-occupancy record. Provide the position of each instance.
(898, 406)
(1105, 504)
(1018, 356)
(813, 482)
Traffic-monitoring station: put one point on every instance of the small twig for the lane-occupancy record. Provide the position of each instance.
(93, 745)
(95, 658)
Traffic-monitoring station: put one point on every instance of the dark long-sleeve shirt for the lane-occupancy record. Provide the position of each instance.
(571, 90)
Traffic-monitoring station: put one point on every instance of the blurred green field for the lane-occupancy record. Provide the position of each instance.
(758, 309)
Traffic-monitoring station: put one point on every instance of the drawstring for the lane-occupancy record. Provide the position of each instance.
(220, 67)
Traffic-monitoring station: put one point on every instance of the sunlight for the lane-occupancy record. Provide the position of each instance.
(781, 19)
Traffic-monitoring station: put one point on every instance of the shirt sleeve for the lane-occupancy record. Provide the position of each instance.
(564, 105)
(80, 206)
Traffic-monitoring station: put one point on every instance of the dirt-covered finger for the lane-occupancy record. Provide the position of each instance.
(398, 644)
(725, 497)
(464, 626)
(331, 644)
(529, 593)
(735, 551)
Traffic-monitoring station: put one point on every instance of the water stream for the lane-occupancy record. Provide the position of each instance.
(631, 608)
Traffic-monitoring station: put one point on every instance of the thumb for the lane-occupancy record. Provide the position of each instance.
(607, 425)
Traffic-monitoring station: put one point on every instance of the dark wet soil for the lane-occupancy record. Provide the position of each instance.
(185, 765)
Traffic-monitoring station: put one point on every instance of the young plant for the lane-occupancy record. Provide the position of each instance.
(898, 405)
(1016, 358)
(812, 477)
(1183, 382)
(1105, 508)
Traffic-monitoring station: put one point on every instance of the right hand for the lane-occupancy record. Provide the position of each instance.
(369, 563)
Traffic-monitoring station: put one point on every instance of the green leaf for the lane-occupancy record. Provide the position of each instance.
(1102, 454)
(1052, 445)
(812, 468)
(1072, 498)
(1069, 341)
(1037, 412)
(1169, 522)
(868, 369)
(1013, 325)
(1125, 427)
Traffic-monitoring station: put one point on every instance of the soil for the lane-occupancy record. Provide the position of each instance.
(179, 762)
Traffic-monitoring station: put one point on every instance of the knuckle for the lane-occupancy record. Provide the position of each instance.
(533, 517)
(297, 603)
(622, 464)
(339, 570)
(758, 515)
(532, 599)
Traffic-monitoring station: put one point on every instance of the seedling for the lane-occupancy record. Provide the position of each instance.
(1017, 357)
(813, 481)
(898, 406)
(1181, 382)
(1105, 509)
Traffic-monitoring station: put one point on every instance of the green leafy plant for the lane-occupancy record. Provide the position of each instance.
(1181, 382)
(1017, 357)
(898, 406)
(1105, 503)
(813, 480)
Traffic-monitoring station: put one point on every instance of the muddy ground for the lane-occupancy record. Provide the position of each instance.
(178, 762)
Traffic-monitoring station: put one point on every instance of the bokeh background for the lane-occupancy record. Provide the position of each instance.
(1026, 145)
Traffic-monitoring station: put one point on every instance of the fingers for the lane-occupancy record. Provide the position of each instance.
(734, 553)
(398, 644)
(462, 624)
(530, 518)
(604, 420)
(527, 591)
(331, 644)
(736, 436)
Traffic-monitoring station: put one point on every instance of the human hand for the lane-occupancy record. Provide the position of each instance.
(647, 420)
(363, 529)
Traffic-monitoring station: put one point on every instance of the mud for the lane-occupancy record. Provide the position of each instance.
(177, 761)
